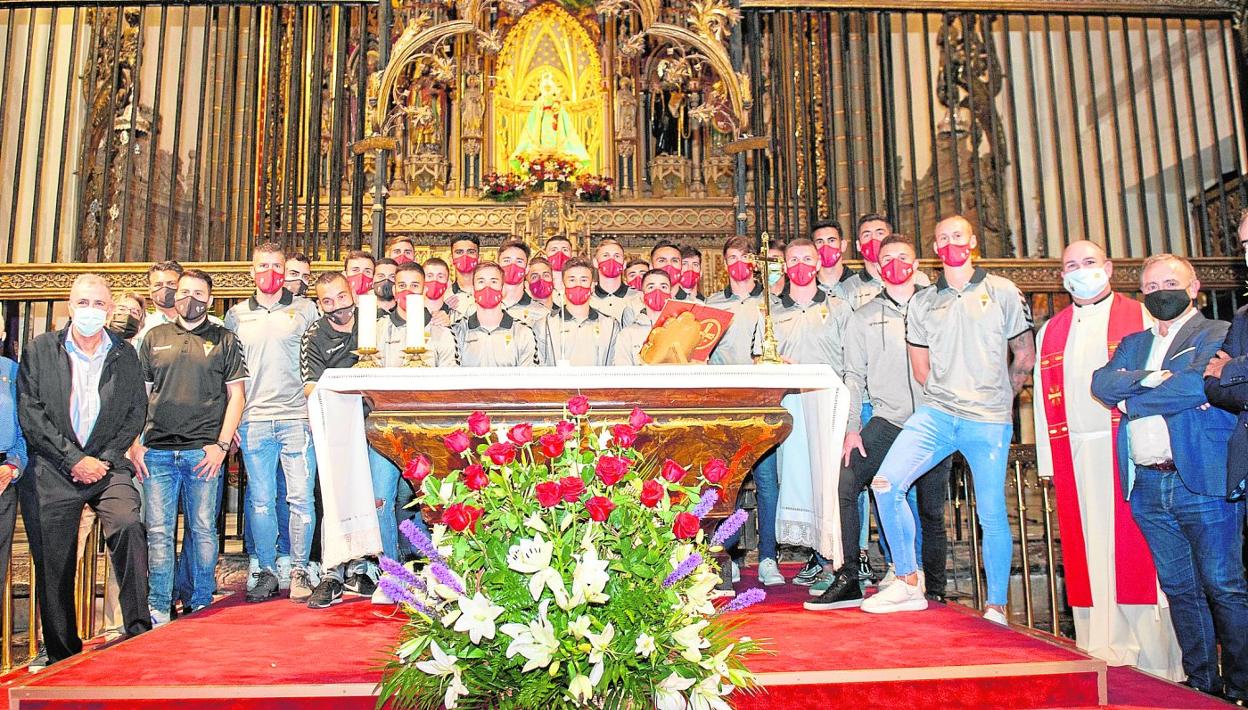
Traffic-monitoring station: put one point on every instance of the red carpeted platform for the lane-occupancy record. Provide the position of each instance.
(239, 656)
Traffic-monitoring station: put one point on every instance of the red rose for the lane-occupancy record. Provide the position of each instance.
(552, 445)
(651, 493)
(639, 419)
(672, 471)
(475, 478)
(501, 453)
(623, 435)
(578, 405)
(571, 488)
(565, 429)
(599, 508)
(715, 470)
(548, 494)
(417, 469)
(479, 423)
(685, 526)
(521, 434)
(610, 469)
(461, 517)
(457, 442)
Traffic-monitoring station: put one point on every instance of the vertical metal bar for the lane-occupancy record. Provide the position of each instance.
(176, 166)
(1206, 229)
(21, 131)
(220, 112)
(976, 171)
(1228, 228)
(931, 116)
(892, 200)
(864, 56)
(1050, 561)
(1191, 244)
(384, 8)
(136, 87)
(950, 95)
(64, 150)
(210, 14)
(911, 129)
(32, 607)
(229, 140)
(1226, 27)
(294, 117)
(1096, 132)
(1042, 202)
(792, 91)
(103, 197)
(10, 20)
(1055, 126)
(1016, 142)
(1020, 492)
(851, 153)
(337, 135)
(972, 521)
(154, 136)
(829, 114)
(995, 132)
(270, 155)
(1118, 152)
(807, 77)
(1139, 144)
(36, 192)
(776, 186)
(1156, 141)
(313, 192)
(1075, 123)
(6, 653)
(250, 174)
(357, 172)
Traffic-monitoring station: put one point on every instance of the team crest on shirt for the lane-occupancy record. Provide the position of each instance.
(823, 314)
(507, 340)
(984, 300)
(208, 348)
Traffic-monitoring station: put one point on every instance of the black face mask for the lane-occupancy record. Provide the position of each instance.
(124, 324)
(297, 286)
(1167, 304)
(191, 309)
(163, 297)
(384, 289)
(341, 316)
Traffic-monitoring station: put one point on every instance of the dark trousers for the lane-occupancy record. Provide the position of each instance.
(55, 503)
(877, 438)
(8, 520)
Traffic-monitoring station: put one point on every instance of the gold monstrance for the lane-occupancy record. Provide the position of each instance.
(771, 349)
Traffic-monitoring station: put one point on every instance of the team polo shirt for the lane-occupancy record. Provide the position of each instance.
(271, 339)
(392, 340)
(589, 341)
(687, 296)
(324, 348)
(877, 363)
(188, 371)
(858, 292)
(620, 304)
(967, 334)
(511, 344)
(628, 343)
(841, 288)
(737, 345)
(533, 314)
(808, 333)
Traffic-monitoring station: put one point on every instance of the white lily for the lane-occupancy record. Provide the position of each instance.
(590, 578)
(439, 589)
(442, 663)
(451, 617)
(453, 691)
(600, 643)
(440, 541)
(708, 695)
(478, 617)
(719, 662)
(533, 557)
(446, 491)
(698, 593)
(536, 641)
(691, 642)
(580, 626)
(535, 522)
(645, 646)
(668, 695)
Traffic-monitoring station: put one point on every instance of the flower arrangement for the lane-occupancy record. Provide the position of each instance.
(563, 575)
(503, 187)
(594, 188)
(549, 167)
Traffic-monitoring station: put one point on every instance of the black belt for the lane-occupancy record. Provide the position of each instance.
(1166, 466)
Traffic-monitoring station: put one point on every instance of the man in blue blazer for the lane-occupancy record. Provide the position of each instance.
(1172, 456)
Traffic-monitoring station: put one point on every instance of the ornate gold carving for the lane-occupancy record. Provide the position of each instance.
(1166, 7)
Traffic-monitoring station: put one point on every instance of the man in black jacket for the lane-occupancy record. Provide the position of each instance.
(81, 403)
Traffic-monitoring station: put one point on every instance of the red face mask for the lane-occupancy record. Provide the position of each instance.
(801, 274)
(689, 279)
(466, 263)
(434, 289)
(269, 282)
(402, 259)
(487, 297)
(954, 255)
(896, 272)
(739, 270)
(360, 283)
(655, 300)
(870, 250)
(611, 268)
(635, 282)
(557, 260)
(673, 271)
(829, 256)
(513, 274)
(577, 295)
(541, 288)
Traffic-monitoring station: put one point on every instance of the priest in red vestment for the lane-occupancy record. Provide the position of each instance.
(1120, 614)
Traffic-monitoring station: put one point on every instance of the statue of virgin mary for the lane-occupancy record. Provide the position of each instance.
(548, 129)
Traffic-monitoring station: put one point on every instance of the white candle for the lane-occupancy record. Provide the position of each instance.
(368, 320)
(415, 320)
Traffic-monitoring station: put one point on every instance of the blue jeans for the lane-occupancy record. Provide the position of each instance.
(385, 477)
(171, 480)
(928, 437)
(283, 524)
(264, 445)
(1197, 545)
(767, 493)
(913, 499)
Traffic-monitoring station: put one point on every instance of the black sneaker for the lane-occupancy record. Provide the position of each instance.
(265, 588)
(360, 585)
(326, 594)
(845, 593)
(865, 573)
(809, 573)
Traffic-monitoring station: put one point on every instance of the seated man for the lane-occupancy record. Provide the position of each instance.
(490, 337)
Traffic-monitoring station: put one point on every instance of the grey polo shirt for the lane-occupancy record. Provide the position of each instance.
(859, 291)
(532, 314)
(877, 363)
(967, 334)
(737, 345)
(621, 304)
(632, 336)
(586, 342)
(511, 344)
(392, 339)
(271, 338)
(808, 333)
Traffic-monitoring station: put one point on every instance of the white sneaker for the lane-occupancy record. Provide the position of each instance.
(769, 573)
(159, 618)
(889, 577)
(736, 572)
(253, 569)
(996, 617)
(283, 572)
(380, 597)
(898, 597)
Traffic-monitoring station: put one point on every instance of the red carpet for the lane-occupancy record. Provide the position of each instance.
(278, 655)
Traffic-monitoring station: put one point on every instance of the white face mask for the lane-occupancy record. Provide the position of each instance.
(1087, 282)
(89, 321)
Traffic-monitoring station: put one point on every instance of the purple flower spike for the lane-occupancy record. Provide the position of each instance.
(420, 541)
(401, 573)
(709, 498)
(445, 577)
(729, 527)
(684, 569)
(396, 591)
(748, 598)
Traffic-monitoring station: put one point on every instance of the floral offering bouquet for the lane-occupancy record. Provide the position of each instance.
(594, 188)
(503, 187)
(564, 574)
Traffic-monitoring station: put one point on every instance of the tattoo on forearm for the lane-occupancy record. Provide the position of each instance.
(1022, 359)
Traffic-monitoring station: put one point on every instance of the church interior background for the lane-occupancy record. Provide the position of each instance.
(132, 133)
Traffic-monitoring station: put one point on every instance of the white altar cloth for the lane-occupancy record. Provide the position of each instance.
(810, 458)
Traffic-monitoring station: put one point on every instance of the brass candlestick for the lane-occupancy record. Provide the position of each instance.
(771, 348)
(415, 357)
(367, 358)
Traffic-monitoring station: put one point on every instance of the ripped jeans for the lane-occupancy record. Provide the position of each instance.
(928, 437)
(270, 449)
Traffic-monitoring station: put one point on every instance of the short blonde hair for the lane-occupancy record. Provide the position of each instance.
(1159, 258)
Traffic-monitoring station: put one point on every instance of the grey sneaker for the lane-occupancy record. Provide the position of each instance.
(265, 587)
(769, 573)
(809, 573)
(300, 586)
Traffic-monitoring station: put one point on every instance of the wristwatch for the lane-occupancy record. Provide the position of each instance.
(225, 447)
